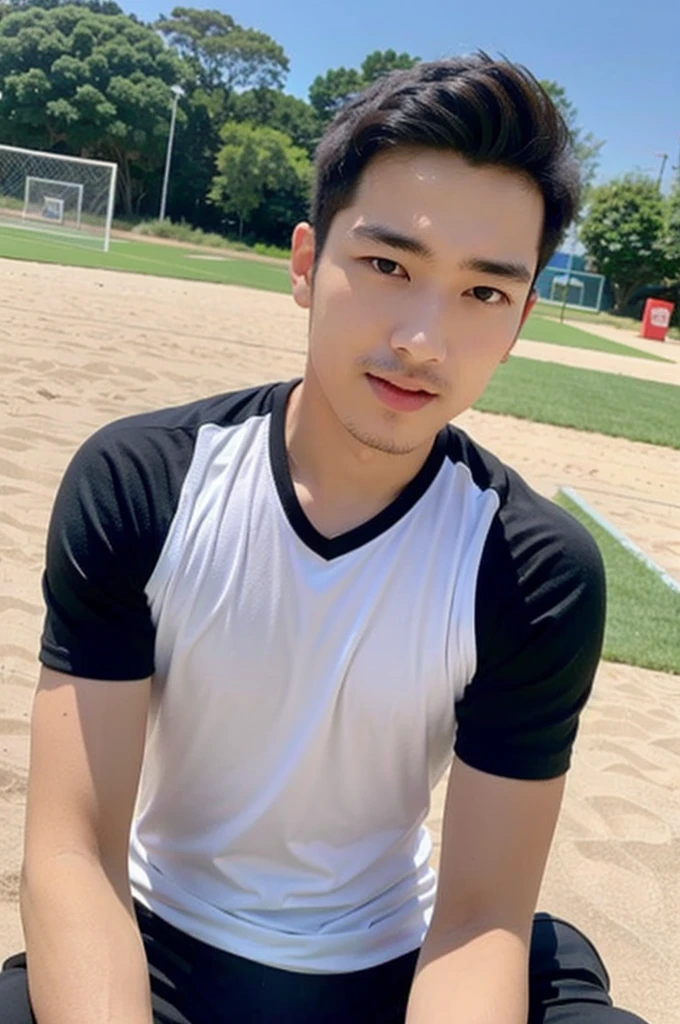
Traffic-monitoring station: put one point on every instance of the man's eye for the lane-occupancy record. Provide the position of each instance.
(489, 296)
(388, 268)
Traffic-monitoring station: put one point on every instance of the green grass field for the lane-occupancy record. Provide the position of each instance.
(642, 612)
(589, 316)
(142, 257)
(604, 403)
(540, 328)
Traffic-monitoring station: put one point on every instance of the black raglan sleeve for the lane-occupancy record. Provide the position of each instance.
(539, 613)
(108, 524)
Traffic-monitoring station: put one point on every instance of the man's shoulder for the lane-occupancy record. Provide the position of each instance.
(126, 478)
(161, 437)
(224, 409)
(527, 523)
(540, 598)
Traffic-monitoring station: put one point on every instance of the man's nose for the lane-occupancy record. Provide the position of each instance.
(422, 336)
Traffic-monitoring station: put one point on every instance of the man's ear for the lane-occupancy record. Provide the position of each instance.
(526, 313)
(302, 264)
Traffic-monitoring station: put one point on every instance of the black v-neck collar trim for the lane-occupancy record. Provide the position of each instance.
(332, 547)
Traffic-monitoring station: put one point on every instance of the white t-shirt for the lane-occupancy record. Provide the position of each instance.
(308, 692)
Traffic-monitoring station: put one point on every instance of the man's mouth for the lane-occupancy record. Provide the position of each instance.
(400, 394)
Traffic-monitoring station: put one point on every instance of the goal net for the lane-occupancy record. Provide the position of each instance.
(57, 201)
(571, 287)
(63, 196)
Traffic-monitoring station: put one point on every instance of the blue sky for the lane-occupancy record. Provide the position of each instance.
(618, 60)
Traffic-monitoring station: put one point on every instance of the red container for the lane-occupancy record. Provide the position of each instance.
(656, 319)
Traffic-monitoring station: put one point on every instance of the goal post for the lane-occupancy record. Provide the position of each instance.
(66, 196)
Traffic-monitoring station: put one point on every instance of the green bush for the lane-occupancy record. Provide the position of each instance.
(127, 224)
(271, 250)
(180, 232)
(10, 203)
(212, 239)
(183, 232)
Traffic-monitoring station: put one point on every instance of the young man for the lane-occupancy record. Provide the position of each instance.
(284, 609)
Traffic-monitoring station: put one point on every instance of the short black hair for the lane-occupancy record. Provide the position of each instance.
(491, 112)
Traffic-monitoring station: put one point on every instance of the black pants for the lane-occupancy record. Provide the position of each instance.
(193, 983)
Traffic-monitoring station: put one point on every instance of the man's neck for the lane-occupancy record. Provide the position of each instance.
(339, 481)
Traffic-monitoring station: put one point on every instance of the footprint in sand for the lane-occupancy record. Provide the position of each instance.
(9, 886)
(12, 784)
(621, 886)
(628, 820)
(13, 727)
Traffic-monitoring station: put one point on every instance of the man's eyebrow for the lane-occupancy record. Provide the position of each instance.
(393, 239)
(508, 269)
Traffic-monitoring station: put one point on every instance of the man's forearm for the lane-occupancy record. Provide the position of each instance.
(86, 962)
(475, 977)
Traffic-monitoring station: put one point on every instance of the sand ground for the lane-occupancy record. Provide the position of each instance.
(79, 348)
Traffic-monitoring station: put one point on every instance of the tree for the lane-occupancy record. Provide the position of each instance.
(223, 53)
(673, 230)
(254, 164)
(225, 59)
(329, 92)
(88, 84)
(623, 232)
(96, 6)
(199, 141)
(586, 146)
(673, 242)
(276, 109)
(381, 62)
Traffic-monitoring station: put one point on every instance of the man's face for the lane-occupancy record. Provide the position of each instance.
(419, 293)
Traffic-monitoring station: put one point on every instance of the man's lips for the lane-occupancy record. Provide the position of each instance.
(405, 396)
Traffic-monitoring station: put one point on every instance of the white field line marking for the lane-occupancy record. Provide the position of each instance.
(626, 542)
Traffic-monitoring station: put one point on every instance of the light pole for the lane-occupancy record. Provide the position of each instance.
(177, 91)
(570, 267)
(663, 157)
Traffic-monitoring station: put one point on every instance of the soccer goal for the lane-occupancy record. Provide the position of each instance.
(59, 202)
(64, 196)
(571, 288)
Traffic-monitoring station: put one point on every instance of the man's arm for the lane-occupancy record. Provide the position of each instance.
(473, 967)
(86, 962)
